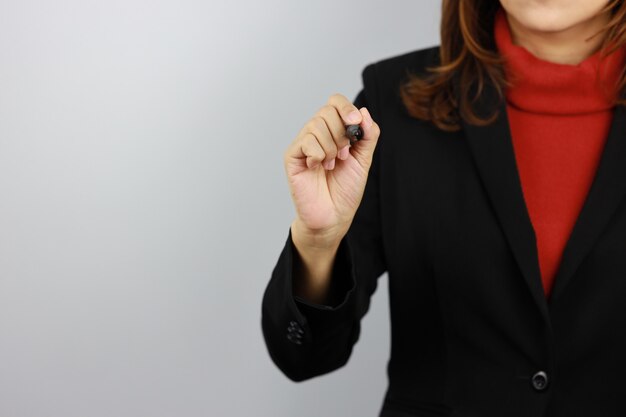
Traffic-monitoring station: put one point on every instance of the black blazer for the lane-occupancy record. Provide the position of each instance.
(472, 333)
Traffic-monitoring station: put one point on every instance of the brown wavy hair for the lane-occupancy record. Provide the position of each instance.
(468, 52)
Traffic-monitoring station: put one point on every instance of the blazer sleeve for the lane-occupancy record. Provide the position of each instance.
(305, 339)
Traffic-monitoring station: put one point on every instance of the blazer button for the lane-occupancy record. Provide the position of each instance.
(540, 381)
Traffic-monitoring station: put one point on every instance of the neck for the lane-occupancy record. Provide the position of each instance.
(570, 46)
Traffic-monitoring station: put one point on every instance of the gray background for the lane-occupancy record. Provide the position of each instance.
(143, 202)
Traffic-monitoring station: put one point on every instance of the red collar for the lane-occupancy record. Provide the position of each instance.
(545, 87)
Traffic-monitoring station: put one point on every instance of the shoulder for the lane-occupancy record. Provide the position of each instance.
(397, 66)
(382, 79)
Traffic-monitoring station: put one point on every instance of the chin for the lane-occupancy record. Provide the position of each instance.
(545, 22)
(552, 15)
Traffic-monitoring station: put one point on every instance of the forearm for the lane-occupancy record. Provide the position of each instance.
(313, 264)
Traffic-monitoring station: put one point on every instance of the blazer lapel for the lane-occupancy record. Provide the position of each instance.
(492, 149)
(606, 192)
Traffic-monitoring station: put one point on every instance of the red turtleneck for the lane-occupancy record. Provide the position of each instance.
(559, 117)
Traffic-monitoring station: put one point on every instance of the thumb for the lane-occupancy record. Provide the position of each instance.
(364, 148)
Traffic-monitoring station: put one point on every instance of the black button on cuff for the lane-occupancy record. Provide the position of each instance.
(294, 327)
(540, 381)
(295, 332)
(294, 339)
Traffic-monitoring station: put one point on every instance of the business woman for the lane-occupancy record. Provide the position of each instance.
(491, 186)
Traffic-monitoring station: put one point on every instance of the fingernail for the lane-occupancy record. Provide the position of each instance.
(354, 117)
(343, 153)
(329, 165)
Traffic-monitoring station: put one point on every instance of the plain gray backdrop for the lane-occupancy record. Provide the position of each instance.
(143, 201)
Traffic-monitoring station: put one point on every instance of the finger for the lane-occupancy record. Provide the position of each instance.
(305, 148)
(343, 153)
(348, 111)
(364, 148)
(370, 128)
(335, 125)
(312, 151)
(317, 126)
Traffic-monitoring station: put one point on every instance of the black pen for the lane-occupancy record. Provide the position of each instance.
(354, 133)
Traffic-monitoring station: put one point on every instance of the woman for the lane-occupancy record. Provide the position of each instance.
(494, 198)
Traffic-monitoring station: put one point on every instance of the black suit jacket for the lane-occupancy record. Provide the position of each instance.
(473, 334)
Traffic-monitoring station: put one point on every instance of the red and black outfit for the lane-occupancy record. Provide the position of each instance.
(505, 248)
(560, 117)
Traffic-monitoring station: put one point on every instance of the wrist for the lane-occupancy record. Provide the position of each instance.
(319, 241)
